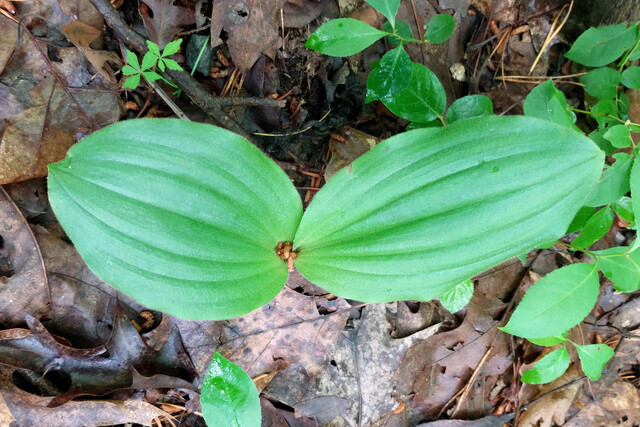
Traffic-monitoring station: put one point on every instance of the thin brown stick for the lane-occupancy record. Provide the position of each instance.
(419, 27)
(552, 33)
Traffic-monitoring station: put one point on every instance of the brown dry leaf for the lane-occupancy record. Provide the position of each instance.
(299, 13)
(553, 408)
(437, 368)
(7, 41)
(23, 283)
(163, 19)
(346, 146)
(100, 370)
(359, 370)
(251, 26)
(287, 330)
(5, 414)
(82, 35)
(33, 411)
(47, 106)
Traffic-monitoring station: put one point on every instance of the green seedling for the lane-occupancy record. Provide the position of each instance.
(152, 60)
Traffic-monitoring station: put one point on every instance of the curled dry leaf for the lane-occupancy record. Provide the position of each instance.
(31, 410)
(82, 36)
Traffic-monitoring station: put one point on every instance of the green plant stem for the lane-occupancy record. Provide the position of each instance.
(589, 113)
(195, 65)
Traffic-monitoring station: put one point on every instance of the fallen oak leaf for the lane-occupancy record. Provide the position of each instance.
(163, 19)
(98, 371)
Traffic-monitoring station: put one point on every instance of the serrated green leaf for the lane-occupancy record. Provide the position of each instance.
(128, 70)
(619, 136)
(402, 29)
(422, 100)
(550, 341)
(498, 185)
(549, 368)
(132, 60)
(388, 8)
(439, 28)
(631, 77)
(151, 76)
(600, 46)
(228, 396)
(624, 208)
(601, 82)
(593, 359)
(183, 217)
(171, 64)
(556, 303)
(131, 82)
(634, 184)
(615, 182)
(343, 37)
(468, 107)
(390, 77)
(621, 266)
(153, 48)
(548, 103)
(595, 228)
(148, 61)
(457, 298)
(172, 48)
(580, 219)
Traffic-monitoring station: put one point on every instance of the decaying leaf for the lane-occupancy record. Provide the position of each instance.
(82, 36)
(288, 329)
(298, 13)
(45, 106)
(163, 19)
(30, 410)
(346, 145)
(23, 283)
(100, 370)
(251, 26)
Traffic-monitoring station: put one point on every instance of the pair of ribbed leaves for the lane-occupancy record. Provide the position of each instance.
(186, 217)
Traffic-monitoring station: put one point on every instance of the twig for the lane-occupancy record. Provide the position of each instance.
(552, 33)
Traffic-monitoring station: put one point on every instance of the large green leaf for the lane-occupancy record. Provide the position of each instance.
(556, 303)
(390, 77)
(427, 209)
(229, 398)
(183, 217)
(343, 37)
(599, 46)
(422, 100)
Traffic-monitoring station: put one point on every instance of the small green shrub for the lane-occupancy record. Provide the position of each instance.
(152, 59)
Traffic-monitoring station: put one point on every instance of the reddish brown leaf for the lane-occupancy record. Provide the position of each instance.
(251, 26)
(163, 19)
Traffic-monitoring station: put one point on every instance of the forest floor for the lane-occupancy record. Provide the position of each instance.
(315, 358)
